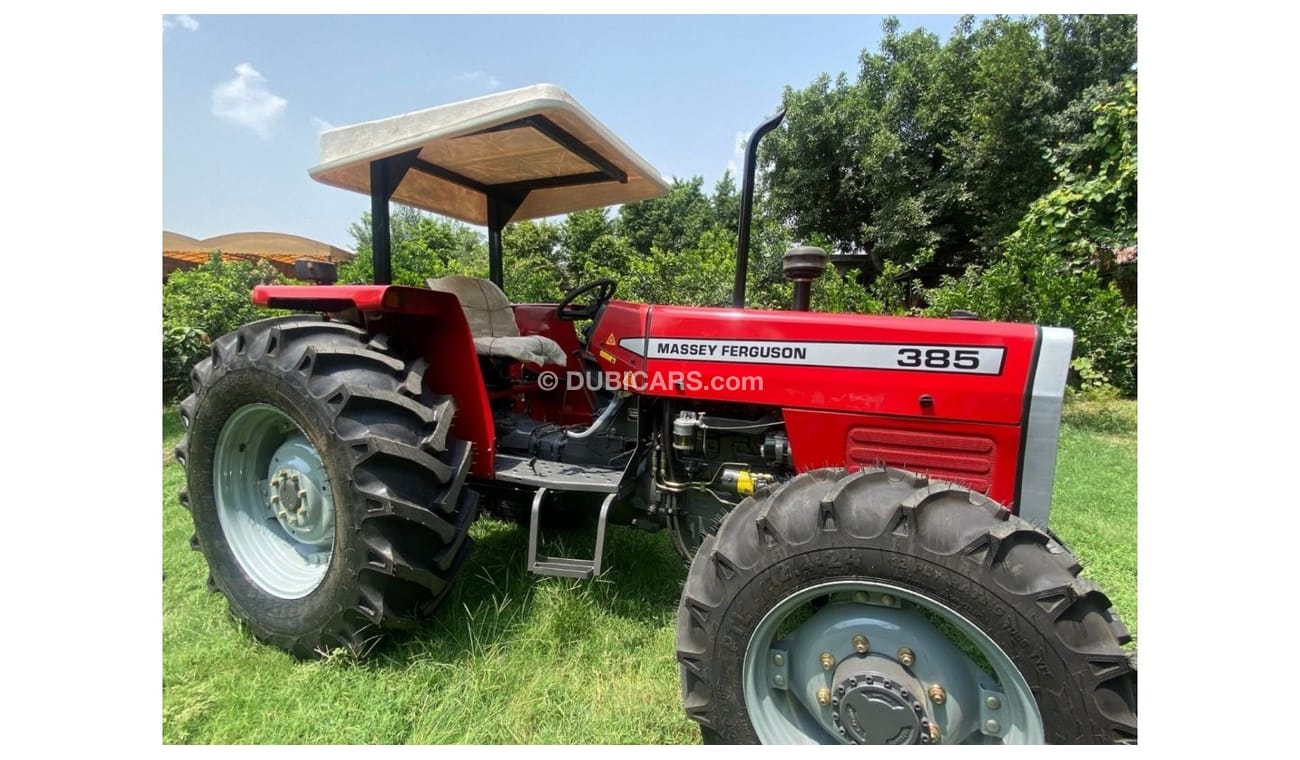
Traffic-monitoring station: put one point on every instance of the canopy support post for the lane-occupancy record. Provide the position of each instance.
(385, 175)
(499, 210)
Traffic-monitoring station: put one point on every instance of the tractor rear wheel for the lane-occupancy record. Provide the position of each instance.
(327, 494)
(882, 608)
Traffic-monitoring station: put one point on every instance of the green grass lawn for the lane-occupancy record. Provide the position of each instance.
(513, 658)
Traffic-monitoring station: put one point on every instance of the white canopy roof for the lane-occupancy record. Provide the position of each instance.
(535, 142)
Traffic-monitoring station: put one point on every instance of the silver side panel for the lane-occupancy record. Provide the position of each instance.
(1044, 425)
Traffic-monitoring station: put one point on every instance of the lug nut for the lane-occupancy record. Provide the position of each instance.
(778, 679)
(778, 659)
(907, 657)
(824, 696)
(860, 644)
(888, 601)
(992, 727)
(937, 694)
(992, 702)
(827, 660)
(934, 734)
(862, 597)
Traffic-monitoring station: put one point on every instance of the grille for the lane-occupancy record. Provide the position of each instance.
(964, 459)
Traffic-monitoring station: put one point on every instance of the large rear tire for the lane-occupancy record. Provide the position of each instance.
(827, 609)
(327, 493)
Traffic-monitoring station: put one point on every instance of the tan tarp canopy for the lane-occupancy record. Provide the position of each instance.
(535, 139)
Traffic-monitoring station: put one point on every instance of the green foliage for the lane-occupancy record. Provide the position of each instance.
(1093, 207)
(424, 246)
(1048, 272)
(1099, 408)
(842, 295)
(204, 303)
(591, 248)
(183, 347)
(1032, 284)
(935, 150)
(529, 265)
(700, 275)
(670, 223)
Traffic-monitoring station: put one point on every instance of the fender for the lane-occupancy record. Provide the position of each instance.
(431, 325)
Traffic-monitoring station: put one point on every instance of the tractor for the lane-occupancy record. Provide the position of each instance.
(862, 501)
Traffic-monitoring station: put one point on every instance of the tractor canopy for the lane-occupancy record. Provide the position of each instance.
(516, 155)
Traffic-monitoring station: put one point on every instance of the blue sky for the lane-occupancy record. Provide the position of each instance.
(244, 97)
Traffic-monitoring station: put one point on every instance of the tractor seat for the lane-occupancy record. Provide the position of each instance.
(492, 322)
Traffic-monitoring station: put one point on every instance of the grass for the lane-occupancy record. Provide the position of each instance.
(513, 658)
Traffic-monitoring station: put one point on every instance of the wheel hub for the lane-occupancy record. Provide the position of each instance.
(876, 701)
(297, 492)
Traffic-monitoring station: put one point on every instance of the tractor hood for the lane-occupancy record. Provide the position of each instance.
(535, 144)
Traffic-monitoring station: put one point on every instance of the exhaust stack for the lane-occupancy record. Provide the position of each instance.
(747, 208)
(803, 264)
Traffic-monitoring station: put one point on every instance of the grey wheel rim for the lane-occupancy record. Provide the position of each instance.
(887, 648)
(274, 501)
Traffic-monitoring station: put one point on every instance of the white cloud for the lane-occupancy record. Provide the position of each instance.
(183, 20)
(245, 101)
(483, 78)
(737, 161)
(320, 125)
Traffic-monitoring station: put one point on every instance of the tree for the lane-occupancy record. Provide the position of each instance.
(669, 223)
(726, 203)
(423, 246)
(929, 158)
(1092, 210)
(1048, 270)
(529, 262)
(590, 247)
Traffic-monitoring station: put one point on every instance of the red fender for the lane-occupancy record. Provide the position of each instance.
(414, 317)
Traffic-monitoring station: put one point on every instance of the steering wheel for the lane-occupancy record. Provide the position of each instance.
(568, 311)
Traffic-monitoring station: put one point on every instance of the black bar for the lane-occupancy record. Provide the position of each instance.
(385, 175)
(747, 208)
(558, 135)
(494, 224)
(581, 149)
(380, 242)
(542, 183)
(434, 170)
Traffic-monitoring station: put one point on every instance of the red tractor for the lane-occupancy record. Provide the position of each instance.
(863, 501)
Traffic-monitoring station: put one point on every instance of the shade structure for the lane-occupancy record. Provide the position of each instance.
(534, 149)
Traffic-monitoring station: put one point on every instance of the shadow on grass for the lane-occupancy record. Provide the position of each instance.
(496, 604)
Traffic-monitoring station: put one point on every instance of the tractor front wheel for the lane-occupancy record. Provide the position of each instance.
(327, 494)
(881, 608)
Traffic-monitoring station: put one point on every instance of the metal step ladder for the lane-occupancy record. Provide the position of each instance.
(565, 567)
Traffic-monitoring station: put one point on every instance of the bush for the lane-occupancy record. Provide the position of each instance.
(183, 347)
(204, 303)
(1030, 284)
(1100, 409)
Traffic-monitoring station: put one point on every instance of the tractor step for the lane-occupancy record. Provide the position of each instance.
(565, 567)
(582, 569)
(531, 471)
